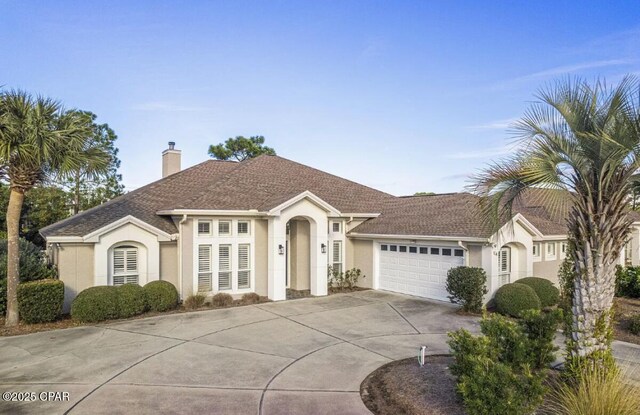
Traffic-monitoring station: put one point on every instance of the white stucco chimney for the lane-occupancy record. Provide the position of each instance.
(170, 160)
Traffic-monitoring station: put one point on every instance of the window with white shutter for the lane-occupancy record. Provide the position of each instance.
(336, 256)
(204, 268)
(224, 267)
(125, 265)
(243, 228)
(244, 266)
(224, 228)
(204, 228)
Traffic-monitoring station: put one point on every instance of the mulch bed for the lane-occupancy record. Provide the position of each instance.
(66, 322)
(404, 388)
(625, 308)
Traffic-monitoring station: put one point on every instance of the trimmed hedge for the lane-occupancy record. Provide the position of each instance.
(131, 300)
(512, 299)
(195, 301)
(40, 301)
(96, 304)
(250, 298)
(161, 295)
(221, 300)
(467, 286)
(548, 294)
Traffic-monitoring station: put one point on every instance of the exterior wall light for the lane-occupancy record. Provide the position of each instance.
(281, 249)
(323, 248)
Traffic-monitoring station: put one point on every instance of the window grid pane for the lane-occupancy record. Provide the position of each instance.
(224, 227)
(244, 265)
(224, 267)
(204, 227)
(337, 256)
(204, 268)
(243, 228)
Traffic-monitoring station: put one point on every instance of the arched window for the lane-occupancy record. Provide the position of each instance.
(125, 265)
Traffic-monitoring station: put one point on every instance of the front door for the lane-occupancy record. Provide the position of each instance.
(504, 265)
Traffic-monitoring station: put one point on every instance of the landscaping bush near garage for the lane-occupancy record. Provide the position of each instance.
(40, 301)
(628, 282)
(33, 266)
(96, 304)
(131, 300)
(161, 295)
(503, 371)
(467, 286)
(548, 294)
(343, 281)
(512, 299)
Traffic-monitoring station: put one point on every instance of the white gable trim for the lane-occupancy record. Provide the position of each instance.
(95, 235)
(525, 224)
(210, 212)
(305, 195)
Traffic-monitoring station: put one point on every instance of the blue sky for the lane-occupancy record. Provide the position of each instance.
(400, 96)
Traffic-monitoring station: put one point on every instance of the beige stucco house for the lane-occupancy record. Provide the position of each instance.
(268, 224)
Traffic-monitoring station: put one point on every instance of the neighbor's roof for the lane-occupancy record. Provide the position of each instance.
(261, 183)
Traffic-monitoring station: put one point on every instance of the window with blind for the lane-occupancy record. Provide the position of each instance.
(204, 268)
(125, 265)
(224, 267)
(244, 266)
(337, 256)
(243, 228)
(224, 227)
(204, 227)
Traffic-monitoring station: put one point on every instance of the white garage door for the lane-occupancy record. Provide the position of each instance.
(417, 269)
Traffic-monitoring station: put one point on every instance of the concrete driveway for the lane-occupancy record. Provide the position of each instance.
(300, 356)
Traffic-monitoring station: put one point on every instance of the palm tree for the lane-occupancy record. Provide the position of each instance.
(584, 140)
(38, 142)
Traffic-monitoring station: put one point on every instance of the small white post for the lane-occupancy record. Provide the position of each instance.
(423, 349)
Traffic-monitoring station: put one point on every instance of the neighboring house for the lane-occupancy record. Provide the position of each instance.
(268, 224)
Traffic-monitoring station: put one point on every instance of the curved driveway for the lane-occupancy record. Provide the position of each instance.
(304, 356)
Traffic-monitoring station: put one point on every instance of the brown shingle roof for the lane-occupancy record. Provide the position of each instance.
(143, 203)
(260, 183)
(266, 181)
(451, 215)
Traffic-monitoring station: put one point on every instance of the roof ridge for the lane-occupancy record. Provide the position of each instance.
(330, 174)
(223, 178)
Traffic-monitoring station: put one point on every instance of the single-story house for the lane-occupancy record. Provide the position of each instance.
(267, 224)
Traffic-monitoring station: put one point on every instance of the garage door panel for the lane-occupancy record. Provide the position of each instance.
(423, 275)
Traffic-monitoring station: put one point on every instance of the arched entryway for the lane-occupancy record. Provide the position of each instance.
(298, 254)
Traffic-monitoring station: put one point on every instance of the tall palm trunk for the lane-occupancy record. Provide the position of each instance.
(598, 226)
(16, 198)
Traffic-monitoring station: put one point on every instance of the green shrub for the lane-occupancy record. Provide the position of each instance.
(512, 299)
(503, 370)
(221, 300)
(195, 301)
(492, 387)
(628, 282)
(161, 295)
(250, 298)
(96, 304)
(131, 300)
(33, 266)
(343, 280)
(548, 294)
(40, 301)
(634, 324)
(540, 328)
(467, 286)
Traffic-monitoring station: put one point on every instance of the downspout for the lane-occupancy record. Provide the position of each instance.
(182, 221)
(466, 250)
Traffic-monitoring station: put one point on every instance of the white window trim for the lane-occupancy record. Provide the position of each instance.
(248, 222)
(234, 240)
(537, 257)
(231, 224)
(563, 249)
(126, 274)
(210, 222)
(340, 225)
(548, 256)
(342, 262)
